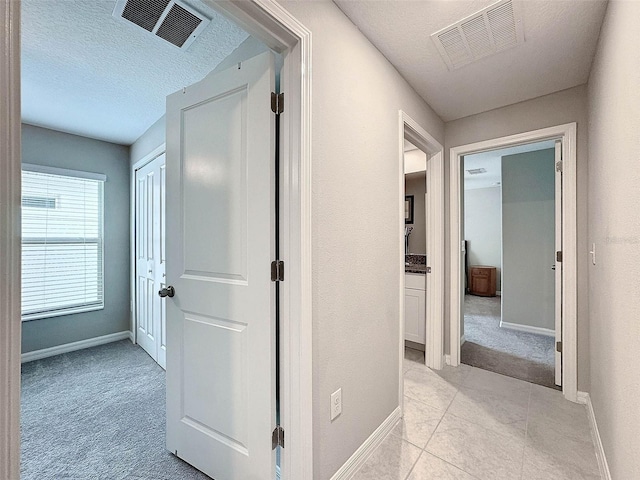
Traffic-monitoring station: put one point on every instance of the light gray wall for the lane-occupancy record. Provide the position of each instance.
(528, 239)
(47, 147)
(614, 226)
(558, 108)
(356, 275)
(416, 184)
(156, 133)
(483, 228)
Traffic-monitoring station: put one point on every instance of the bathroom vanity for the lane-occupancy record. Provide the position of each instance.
(415, 307)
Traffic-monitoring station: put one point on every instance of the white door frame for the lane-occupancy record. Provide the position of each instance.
(409, 129)
(155, 153)
(276, 27)
(567, 133)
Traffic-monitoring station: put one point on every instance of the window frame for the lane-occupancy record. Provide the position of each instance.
(99, 241)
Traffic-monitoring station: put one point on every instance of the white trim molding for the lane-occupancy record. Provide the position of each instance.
(547, 332)
(73, 346)
(362, 454)
(585, 399)
(10, 193)
(566, 133)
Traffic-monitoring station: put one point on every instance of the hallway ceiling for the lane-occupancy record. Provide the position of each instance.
(88, 73)
(560, 41)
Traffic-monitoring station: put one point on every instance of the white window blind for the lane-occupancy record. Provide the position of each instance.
(62, 242)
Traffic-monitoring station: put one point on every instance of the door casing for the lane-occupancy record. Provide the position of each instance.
(567, 134)
(277, 28)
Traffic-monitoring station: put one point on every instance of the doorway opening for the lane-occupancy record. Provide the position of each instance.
(509, 230)
(560, 284)
(421, 253)
(285, 35)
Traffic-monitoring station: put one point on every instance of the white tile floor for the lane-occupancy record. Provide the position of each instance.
(465, 423)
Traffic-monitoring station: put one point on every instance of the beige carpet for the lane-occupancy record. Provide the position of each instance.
(522, 355)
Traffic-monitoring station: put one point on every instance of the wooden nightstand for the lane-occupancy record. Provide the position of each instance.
(483, 280)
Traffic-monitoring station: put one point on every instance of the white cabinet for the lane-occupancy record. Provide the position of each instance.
(414, 308)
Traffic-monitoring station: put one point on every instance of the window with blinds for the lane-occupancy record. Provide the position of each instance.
(62, 242)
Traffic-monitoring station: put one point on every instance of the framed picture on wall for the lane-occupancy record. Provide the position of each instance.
(408, 209)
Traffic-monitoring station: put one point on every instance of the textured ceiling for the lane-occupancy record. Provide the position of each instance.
(491, 162)
(88, 73)
(560, 40)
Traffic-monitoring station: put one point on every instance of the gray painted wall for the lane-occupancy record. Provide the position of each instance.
(47, 147)
(556, 109)
(416, 184)
(355, 193)
(483, 228)
(528, 239)
(614, 226)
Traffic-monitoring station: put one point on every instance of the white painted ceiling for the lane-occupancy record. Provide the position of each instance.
(88, 73)
(560, 41)
(491, 161)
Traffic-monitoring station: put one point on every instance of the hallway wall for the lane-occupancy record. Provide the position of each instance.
(356, 230)
(614, 226)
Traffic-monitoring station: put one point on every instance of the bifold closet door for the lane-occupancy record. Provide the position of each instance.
(150, 261)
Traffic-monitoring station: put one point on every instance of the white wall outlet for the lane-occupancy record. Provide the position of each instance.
(336, 403)
(593, 253)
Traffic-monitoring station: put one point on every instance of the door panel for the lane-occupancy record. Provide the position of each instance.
(161, 263)
(220, 243)
(558, 265)
(145, 275)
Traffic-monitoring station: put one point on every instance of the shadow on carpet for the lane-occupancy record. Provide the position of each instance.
(500, 362)
(97, 414)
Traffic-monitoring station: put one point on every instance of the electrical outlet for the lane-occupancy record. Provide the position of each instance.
(336, 403)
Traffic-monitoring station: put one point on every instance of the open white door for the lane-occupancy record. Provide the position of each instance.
(150, 258)
(558, 264)
(220, 243)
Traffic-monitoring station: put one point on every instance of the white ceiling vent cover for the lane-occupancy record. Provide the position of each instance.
(476, 171)
(171, 20)
(496, 28)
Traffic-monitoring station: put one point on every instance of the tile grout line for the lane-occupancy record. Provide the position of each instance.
(424, 450)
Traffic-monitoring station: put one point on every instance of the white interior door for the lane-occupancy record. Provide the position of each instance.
(558, 265)
(150, 263)
(220, 243)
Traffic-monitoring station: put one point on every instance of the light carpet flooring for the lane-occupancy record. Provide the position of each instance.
(523, 355)
(464, 423)
(97, 414)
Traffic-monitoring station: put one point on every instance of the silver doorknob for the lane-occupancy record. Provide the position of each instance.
(167, 292)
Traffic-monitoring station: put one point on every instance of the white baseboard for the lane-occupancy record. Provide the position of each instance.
(585, 399)
(499, 293)
(71, 347)
(527, 328)
(132, 337)
(361, 455)
(447, 359)
(462, 340)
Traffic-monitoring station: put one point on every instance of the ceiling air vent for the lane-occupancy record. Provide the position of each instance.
(476, 171)
(496, 28)
(173, 21)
